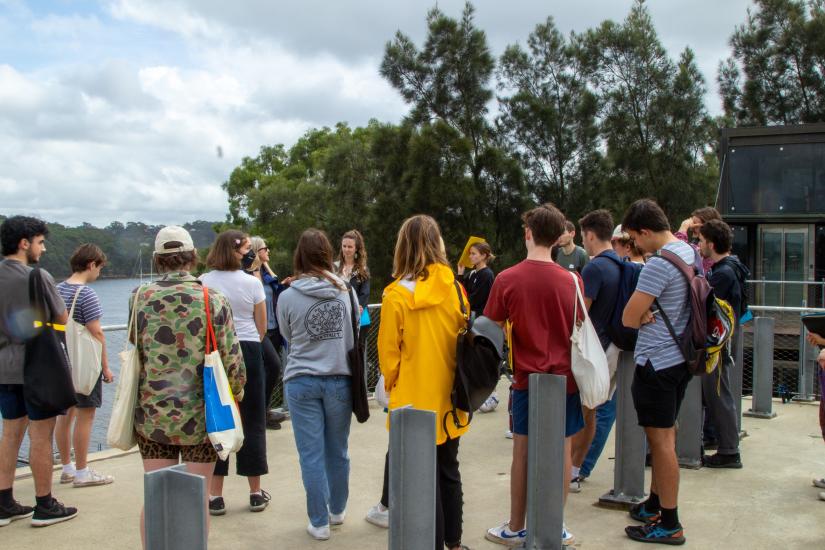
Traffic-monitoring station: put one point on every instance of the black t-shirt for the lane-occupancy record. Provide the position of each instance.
(478, 285)
(601, 284)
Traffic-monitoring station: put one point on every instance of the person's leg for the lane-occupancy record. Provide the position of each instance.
(82, 435)
(40, 455)
(662, 443)
(63, 437)
(605, 418)
(13, 433)
(518, 483)
(385, 488)
(721, 407)
(450, 491)
(337, 409)
(272, 368)
(583, 439)
(304, 395)
(251, 458)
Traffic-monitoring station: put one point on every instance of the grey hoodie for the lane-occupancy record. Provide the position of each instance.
(314, 318)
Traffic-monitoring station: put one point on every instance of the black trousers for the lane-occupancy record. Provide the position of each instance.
(271, 348)
(252, 456)
(449, 496)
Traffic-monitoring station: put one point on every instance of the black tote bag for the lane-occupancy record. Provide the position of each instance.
(360, 405)
(47, 377)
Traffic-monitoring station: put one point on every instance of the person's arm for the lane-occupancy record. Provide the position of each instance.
(282, 313)
(228, 345)
(259, 313)
(96, 330)
(363, 294)
(652, 281)
(637, 311)
(592, 278)
(390, 332)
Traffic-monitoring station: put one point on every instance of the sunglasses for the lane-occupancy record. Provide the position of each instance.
(263, 249)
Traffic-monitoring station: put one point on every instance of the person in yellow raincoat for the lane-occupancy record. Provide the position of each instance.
(420, 321)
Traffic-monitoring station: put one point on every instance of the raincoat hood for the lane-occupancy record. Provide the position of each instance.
(319, 288)
(740, 270)
(429, 292)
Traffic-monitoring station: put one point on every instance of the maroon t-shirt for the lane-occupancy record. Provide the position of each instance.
(538, 299)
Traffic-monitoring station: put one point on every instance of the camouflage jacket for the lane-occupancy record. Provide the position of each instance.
(171, 321)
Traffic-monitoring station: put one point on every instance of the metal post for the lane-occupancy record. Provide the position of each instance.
(762, 406)
(629, 468)
(412, 480)
(807, 365)
(736, 372)
(175, 509)
(545, 461)
(689, 427)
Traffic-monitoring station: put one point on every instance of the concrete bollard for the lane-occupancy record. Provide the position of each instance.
(762, 404)
(412, 479)
(545, 461)
(629, 468)
(807, 366)
(174, 509)
(689, 427)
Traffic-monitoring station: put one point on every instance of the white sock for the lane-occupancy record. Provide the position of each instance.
(575, 472)
(255, 493)
(211, 498)
(82, 473)
(69, 468)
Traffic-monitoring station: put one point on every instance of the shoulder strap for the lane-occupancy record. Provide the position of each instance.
(668, 324)
(461, 302)
(679, 263)
(76, 294)
(211, 341)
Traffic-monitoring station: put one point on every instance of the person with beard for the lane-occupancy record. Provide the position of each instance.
(229, 256)
(23, 242)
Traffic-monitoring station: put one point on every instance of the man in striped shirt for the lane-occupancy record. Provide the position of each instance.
(661, 374)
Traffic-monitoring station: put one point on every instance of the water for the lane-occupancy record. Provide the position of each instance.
(114, 298)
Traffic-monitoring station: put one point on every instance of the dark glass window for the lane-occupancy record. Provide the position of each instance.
(776, 179)
(739, 246)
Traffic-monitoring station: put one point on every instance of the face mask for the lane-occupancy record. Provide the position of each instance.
(248, 259)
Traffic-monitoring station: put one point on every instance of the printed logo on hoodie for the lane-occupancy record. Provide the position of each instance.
(325, 320)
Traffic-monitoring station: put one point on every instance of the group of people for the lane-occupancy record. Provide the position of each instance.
(317, 315)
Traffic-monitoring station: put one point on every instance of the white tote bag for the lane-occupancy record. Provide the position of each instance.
(589, 362)
(382, 396)
(121, 434)
(223, 419)
(84, 353)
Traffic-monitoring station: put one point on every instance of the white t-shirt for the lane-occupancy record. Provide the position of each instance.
(243, 291)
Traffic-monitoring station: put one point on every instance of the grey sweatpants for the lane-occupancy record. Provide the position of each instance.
(720, 406)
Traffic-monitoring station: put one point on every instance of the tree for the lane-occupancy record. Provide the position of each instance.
(776, 74)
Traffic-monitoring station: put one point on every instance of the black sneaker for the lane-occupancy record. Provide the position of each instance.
(722, 461)
(258, 503)
(640, 513)
(17, 511)
(54, 513)
(656, 533)
(217, 507)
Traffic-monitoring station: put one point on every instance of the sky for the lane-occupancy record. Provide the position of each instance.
(117, 109)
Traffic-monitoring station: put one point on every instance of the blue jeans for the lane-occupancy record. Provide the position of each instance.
(605, 417)
(321, 409)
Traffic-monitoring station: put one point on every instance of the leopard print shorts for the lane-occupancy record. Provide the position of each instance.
(152, 450)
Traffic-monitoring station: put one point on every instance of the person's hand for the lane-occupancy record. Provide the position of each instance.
(821, 359)
(648, 317)
(108, 377)
(360, 310)
(288, 280)
(815, 339)
(460, 269)
(686, 226)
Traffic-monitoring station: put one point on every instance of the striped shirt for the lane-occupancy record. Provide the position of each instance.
(661, 279)
(87, 308)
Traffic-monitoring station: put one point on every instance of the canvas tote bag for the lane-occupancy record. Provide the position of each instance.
(121, 434)
(85, 353)
(589, 363)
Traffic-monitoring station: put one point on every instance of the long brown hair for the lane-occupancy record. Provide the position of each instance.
(313, 257)
(419, 244)
(222, 253)
(360, 268)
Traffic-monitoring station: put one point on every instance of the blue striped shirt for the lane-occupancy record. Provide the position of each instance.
(661, 279)
(87, 308)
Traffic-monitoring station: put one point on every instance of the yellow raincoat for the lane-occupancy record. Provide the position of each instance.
(417, 345)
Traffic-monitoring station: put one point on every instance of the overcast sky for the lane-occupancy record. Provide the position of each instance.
(115, 110)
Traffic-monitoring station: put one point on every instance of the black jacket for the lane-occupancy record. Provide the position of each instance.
(727, 277)
(478, 285)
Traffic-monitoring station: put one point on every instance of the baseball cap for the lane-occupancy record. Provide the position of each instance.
(173, 234)
(619, 234)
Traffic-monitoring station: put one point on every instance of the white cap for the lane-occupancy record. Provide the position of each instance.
(618, 233)
(176, 234)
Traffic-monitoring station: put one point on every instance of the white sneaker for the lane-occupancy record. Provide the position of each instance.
(566, 536)
(508, 434)
(337, 519)
(821, 496)
(91, 479)
(489, 404)
(819, 483)
(378, 515)
(576, 485)
(503, 535)
(318, 533)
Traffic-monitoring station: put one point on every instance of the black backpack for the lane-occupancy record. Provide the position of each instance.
(624, 337)
(479, 357)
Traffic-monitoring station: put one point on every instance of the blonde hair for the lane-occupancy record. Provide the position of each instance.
(419, 245)
(258, 243)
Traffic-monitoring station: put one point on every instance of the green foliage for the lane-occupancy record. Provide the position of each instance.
(776, 74)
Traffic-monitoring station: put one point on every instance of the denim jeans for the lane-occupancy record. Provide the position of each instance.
(605, 417)
(321, 409)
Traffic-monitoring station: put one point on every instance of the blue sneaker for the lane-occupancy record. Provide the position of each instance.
(640, 513)
(656, 533)
(503, 535)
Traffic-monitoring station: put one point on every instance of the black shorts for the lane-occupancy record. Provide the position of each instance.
(657, 395)
(92, 401)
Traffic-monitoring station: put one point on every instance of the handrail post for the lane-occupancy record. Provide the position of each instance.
(762, 404)
(175, 509)
(689, 426)
(807, 360)
(736, 372)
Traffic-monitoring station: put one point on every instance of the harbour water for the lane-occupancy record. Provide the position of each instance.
(114, 298)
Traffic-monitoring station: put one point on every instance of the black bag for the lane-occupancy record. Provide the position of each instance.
(360, 404)
(47, 377)
(479, 357)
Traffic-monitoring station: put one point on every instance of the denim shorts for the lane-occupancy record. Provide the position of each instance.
(574, 419)
(13, 405)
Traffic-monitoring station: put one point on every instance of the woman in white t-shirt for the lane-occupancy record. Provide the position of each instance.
(230, 253)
